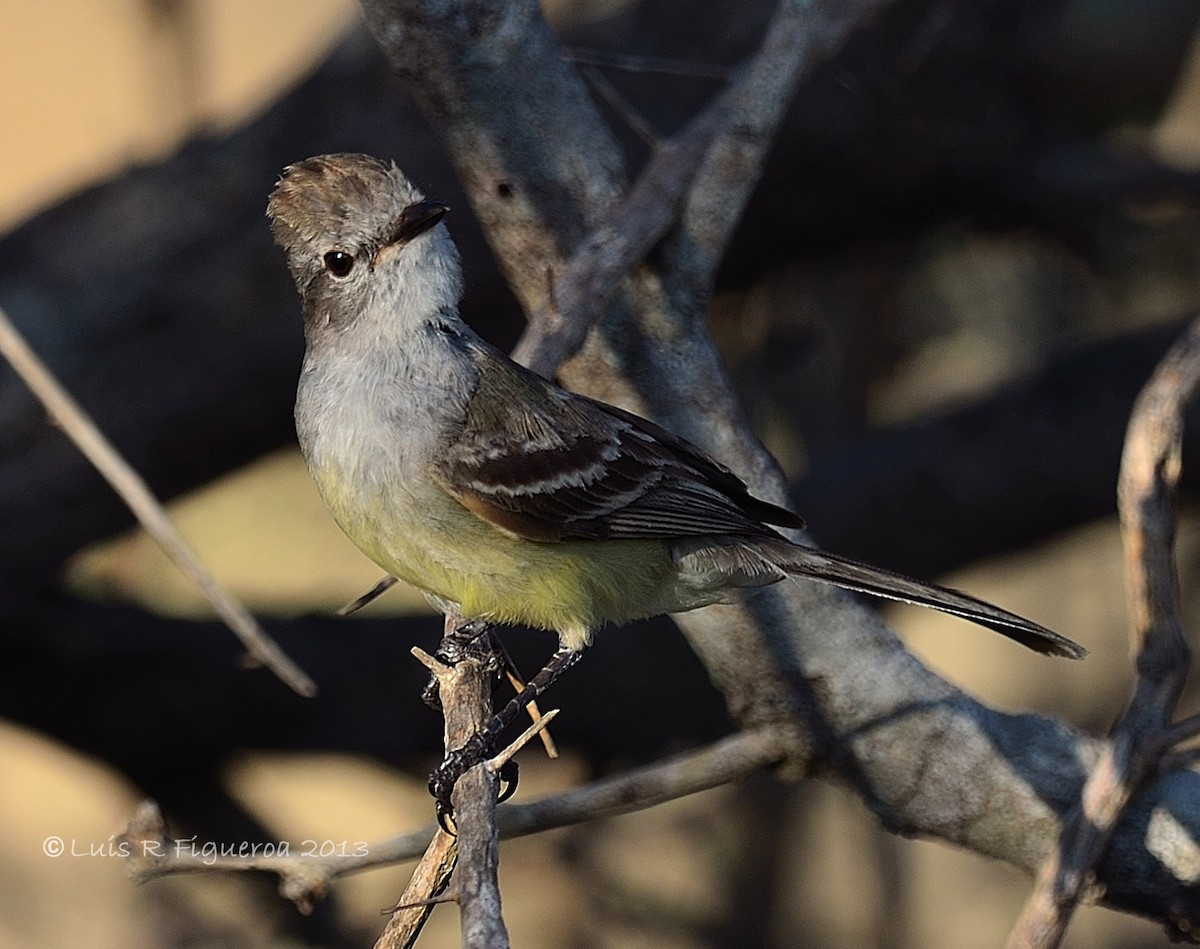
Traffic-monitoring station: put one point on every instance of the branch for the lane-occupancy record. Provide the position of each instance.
(306, 879)
(559, 326)
(133, 491)
(465, 694)
(1150, 470)
(725, 762)
(800, 35)
(428, 882)
(736, 643)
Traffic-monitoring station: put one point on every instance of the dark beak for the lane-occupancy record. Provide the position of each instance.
(416, 219)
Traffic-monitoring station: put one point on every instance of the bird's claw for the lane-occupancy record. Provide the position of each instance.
(509, 775)
(457, 763)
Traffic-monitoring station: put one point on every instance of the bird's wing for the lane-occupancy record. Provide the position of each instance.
(549, 465)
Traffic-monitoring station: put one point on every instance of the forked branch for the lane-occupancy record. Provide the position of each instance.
(1150, 469)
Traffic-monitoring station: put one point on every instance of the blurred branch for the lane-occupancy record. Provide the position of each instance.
(307, 879)
(927, 496)
(604, 259)
(1150, 471)
(132, 489)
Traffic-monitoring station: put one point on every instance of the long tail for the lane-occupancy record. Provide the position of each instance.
(863, 578)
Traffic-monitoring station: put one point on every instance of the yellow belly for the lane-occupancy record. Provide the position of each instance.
(573, 587)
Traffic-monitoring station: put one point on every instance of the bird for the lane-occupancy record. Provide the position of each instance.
(498, 494)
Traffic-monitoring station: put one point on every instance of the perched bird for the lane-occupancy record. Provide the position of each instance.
(496, 493)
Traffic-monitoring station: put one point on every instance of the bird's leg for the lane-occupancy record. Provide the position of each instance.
(481, 745)
(517, 681)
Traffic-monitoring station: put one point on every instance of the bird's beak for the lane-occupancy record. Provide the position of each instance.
(416, 219)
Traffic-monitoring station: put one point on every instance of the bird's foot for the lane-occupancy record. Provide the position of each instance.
(457, 763)
(469, 638)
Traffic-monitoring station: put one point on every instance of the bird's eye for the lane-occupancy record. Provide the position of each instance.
(339, 263)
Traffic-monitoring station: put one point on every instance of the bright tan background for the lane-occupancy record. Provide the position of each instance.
(89, 88)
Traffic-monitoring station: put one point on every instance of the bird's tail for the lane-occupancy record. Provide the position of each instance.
(797, 561)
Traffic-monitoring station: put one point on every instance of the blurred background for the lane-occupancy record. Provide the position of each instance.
(977, 234)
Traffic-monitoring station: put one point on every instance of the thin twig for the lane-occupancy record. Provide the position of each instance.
(610, 252)
(498, 761)
(145, 507)
(535, 716)
(622, 106)
(1150, 469)
(643, 64)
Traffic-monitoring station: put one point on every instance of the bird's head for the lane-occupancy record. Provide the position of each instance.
(362, 243)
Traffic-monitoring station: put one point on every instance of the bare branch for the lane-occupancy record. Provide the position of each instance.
(133, 491)
(645, 64)
(799, 34)
(1150, 470)
(307, 878)
(429, 881)
(724, 762)
(559, 326)
(465, 693)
